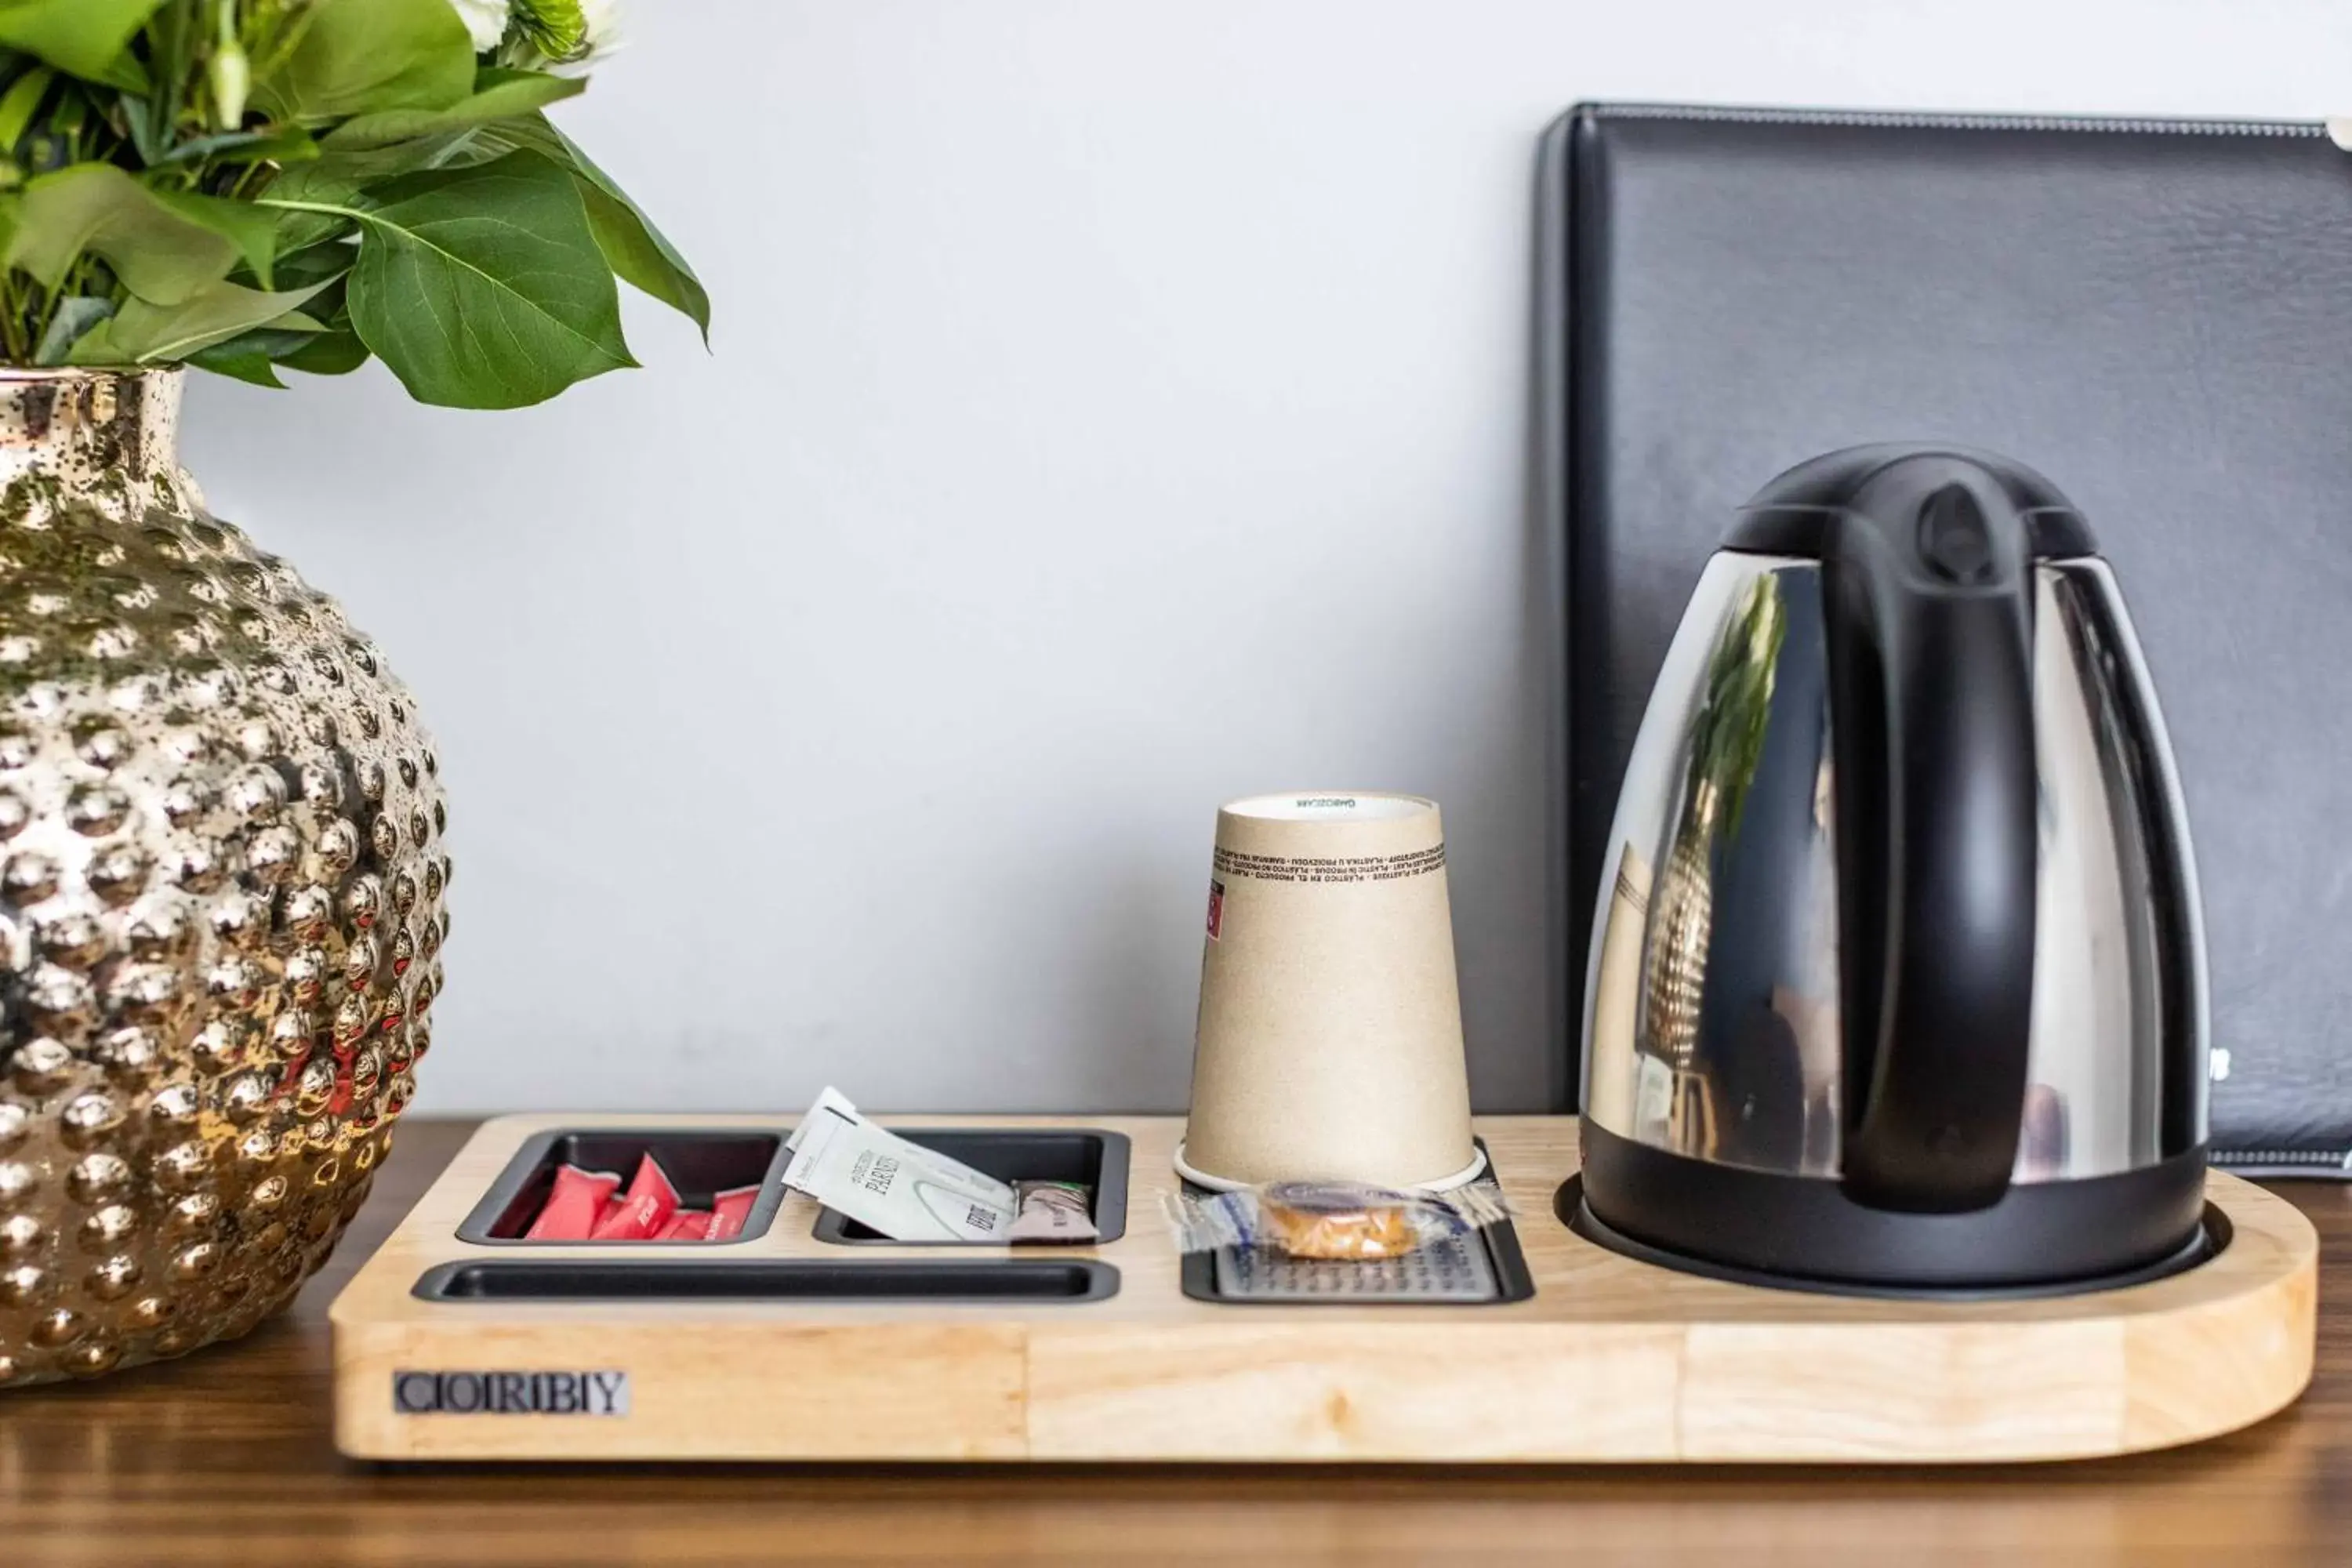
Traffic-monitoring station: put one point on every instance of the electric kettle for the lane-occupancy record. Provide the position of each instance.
(1897, 977)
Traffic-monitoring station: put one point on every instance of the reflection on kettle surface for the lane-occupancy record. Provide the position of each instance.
(1714, 993)
(1726, 742)
(1752, 1084)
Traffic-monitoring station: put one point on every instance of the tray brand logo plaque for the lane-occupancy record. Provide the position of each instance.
(510, 1392)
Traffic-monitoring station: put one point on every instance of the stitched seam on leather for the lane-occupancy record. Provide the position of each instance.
(1931, 121)
(2286, 1156)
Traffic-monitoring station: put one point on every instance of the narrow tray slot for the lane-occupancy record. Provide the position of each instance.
(1097, 1160)
(703, 1163)
(655, 1281)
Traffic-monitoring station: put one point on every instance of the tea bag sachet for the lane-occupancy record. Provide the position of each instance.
(905, 1190)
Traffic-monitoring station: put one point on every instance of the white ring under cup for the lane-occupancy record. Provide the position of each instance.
(1461, 1178)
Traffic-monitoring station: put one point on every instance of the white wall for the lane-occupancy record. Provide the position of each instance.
(1117, 406)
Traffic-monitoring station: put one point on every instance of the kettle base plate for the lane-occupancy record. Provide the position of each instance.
(2205, 1244)
(1778, 1225)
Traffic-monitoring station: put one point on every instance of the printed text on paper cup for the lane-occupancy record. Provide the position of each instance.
(1331, 868)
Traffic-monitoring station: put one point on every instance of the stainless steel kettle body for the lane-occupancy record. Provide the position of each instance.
(1897, 976)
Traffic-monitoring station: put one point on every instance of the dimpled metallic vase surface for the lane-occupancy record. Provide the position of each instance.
(221, 885)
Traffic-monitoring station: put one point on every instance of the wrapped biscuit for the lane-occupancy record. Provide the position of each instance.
(1332, 1220)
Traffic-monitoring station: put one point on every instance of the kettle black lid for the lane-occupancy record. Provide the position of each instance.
(1793, 514)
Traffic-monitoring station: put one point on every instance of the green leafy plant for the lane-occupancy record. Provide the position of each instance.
(252, 185)
(1728, 737)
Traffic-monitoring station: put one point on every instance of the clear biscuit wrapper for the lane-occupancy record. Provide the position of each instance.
(1343, 1220)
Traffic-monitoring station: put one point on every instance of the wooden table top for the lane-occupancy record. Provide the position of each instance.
(227, 1458)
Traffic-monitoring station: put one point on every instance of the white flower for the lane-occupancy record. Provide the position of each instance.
(600, 35)
(603, 19)
(484, 19)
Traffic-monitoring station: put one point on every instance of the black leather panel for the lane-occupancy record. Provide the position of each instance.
(2159, 318)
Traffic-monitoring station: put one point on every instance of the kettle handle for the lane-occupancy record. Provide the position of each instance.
(1928, 594)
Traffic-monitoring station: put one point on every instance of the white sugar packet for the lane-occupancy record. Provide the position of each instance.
(905, 1190)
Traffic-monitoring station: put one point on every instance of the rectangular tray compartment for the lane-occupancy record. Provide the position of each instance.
(702, 1163)
(1512, 1281)
(1099, 1159)
(1500, 1242)
(848, 1279)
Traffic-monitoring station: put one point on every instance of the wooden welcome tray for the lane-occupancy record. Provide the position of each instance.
(1610, 1360)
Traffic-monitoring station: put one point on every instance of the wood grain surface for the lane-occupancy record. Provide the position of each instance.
(227, 1458)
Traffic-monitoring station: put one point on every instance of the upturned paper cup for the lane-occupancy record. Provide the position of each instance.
(1329, 1045)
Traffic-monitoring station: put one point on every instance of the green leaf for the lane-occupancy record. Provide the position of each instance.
(316, 199)
(362, 57)
(310, 199)
(17, 107)
(141, 334)
(253, 231)
(249, 357)
(70, 319)
(331, 306)
(139, 114)
(172, 40)
(163, 255)
(87, 38)
(225, 359)
(246, 147)
(329, 352)
(316, 264)
(498, 95)
(637, 250)
(483, 288)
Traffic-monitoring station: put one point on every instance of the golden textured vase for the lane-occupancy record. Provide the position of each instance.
(221, 880)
